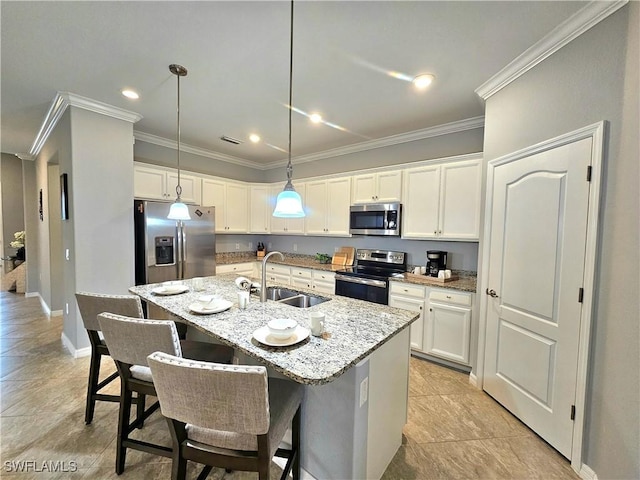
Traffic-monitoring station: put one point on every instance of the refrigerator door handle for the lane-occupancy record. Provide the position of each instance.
(179, 249)
(183, 264)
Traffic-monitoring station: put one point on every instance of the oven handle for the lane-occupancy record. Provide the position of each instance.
(362, 281)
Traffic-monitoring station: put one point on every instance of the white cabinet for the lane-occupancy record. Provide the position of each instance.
(324, 282)
(327, 207)
(448, 325)
(259, 209)
(380, 187)
(412, 298)
(157, 183)
(245, 268)
(279, 274)
(442, 201)
(290, 226)
(301, 277)
(231, 201)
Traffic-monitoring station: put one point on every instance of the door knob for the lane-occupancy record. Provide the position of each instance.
(492, 293)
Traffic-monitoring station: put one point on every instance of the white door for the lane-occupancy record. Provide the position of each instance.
(237, 208)
(213, 195)
(421, 195)
(338, 196)
(536, 270)
(316, 208)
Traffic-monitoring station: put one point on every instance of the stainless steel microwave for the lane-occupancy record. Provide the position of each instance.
(375, 219)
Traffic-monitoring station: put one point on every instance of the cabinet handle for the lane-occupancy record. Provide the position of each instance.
(420, 307)
(431, 309)
(406, 290)
(439, 232)
(448, 296)
(435, 232)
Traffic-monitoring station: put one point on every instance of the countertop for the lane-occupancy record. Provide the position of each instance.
(357, 328)
(467, 280)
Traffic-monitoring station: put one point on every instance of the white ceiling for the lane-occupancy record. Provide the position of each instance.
(237, 54)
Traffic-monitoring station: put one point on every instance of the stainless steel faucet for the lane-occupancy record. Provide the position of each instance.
(263, 283)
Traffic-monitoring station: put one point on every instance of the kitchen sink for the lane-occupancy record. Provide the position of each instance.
(293, 298)
(277, 293)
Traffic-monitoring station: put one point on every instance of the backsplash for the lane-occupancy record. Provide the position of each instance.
(462, 255)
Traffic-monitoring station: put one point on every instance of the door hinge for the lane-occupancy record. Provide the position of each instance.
(573, 412)
(589, 173)
(580, 294)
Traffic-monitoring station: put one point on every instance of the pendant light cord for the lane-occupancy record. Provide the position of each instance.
(178, 187)
(289, 166)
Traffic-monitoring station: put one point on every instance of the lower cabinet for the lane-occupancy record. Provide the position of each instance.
(412, 298)
(324, 282)
(240, 268)
(444, 327)
(448, 330)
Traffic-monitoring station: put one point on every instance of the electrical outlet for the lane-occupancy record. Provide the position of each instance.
(364, 391)
(270, 246)
(335, 249)
(295, 247)
(250, 245)
(237, 246)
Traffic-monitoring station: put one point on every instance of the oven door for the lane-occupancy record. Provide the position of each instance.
(375, 291)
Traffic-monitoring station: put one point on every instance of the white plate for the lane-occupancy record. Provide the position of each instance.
(216, 306)
(263, 336)
(170, 289)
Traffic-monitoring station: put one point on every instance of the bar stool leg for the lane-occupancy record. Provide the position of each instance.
(94, 373)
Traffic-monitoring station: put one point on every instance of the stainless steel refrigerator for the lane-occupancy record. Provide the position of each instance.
(173, 250)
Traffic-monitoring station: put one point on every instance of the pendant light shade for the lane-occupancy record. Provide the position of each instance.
(289, 203)
(178, 210)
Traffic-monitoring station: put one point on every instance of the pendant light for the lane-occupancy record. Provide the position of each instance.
(289, 203)
(179, 210)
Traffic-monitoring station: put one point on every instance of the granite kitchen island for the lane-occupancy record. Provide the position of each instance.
(356, 378)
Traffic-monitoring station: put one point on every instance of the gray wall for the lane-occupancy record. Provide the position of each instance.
(594, 78)
(12, 200)
(31, 220)
(469, 141)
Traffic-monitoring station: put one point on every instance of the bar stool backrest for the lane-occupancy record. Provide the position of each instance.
(130, 340)
(92, 304)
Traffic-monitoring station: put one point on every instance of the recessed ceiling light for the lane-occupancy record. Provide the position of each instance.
(423, 80)
(254, 137)
(315, 118)
(130, 94)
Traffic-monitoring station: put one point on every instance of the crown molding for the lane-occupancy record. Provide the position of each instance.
(59, 105)
(163, 142)
(581, 21)
(444, 129)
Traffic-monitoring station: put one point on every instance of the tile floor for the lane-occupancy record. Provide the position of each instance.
(454, 431)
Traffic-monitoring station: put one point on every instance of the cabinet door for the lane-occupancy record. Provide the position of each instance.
(191, 187)
(149, 183)
(338, 195)
(421, 196)
(316, 208)
(364, 188)
(447, 332)
(389, 186)
(259, 209)
(460, 200)
(417, 326)
(213, 194)
(237, 208)
(244, 268)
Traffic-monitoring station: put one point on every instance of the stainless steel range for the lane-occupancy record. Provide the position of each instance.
(369, 278)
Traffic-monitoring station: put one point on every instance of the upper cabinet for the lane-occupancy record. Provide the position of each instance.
(259, 209)
(287, 225)
(327, 206)
(157, 183)
(442, 201)
(381, 187)
(231, 202)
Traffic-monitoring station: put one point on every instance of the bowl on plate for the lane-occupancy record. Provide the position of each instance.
(282, 328)
(206, 300)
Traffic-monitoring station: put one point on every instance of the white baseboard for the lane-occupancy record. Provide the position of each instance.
(75, 353)
(586, 473)
(473, 380)
(56, 313)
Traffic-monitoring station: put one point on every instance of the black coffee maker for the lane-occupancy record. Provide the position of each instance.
(436, 261)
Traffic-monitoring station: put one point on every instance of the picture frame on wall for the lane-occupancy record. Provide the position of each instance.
(64, 197)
